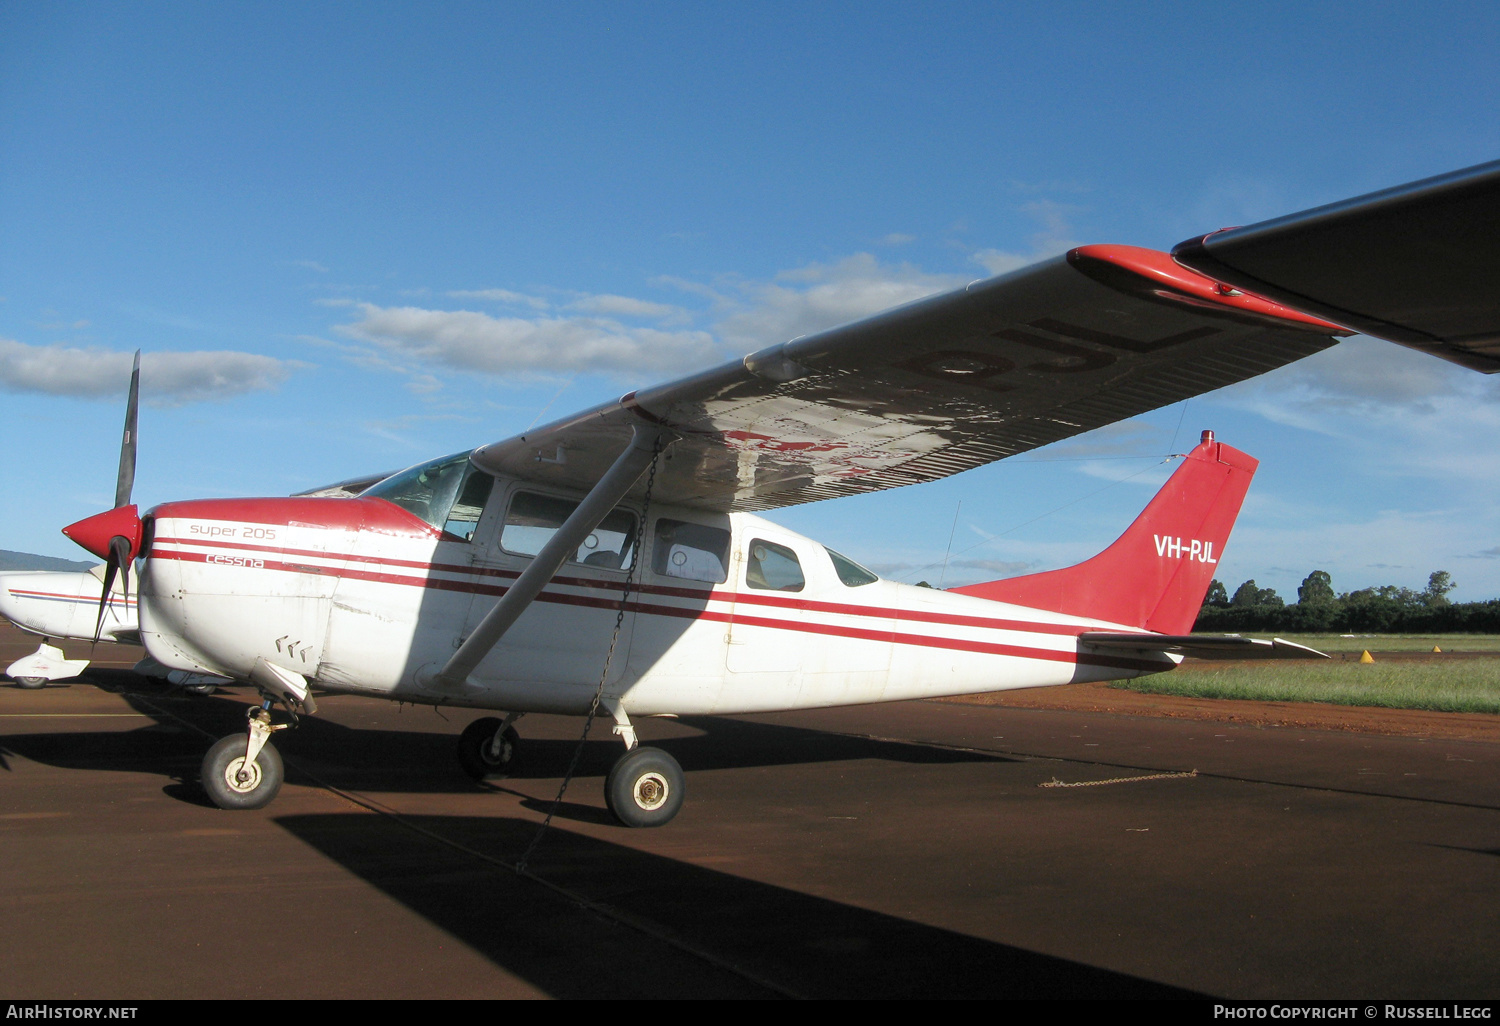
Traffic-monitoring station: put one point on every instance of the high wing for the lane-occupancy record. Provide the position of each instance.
(935, 387)
(1417, 264)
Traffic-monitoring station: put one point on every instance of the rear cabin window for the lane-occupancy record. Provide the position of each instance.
(772, 567)
(690, 552)
(533, 519)
(851, 573)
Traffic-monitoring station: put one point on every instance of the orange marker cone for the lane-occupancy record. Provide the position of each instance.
(1366, 657)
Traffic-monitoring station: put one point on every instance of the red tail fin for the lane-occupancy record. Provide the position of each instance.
(1156, 574)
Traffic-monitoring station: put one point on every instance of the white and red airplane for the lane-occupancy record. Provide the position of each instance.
(611, 560)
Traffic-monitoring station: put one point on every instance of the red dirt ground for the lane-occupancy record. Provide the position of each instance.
(1314, 715)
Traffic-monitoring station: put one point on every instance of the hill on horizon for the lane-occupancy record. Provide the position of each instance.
(10, 560)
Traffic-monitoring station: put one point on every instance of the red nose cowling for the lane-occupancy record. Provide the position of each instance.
(96, 532)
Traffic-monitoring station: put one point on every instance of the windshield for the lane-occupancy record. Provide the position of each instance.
(429, 490)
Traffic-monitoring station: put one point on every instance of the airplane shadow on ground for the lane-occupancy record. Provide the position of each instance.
(813, 947)
(420, 761)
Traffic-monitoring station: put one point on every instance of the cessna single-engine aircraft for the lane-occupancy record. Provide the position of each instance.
(612, 559)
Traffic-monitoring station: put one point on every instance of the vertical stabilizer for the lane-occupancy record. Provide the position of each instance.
(1156, 574)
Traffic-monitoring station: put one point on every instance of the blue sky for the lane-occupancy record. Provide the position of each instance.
(353, 236)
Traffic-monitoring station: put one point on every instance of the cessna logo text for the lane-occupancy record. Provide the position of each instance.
(1177, 548)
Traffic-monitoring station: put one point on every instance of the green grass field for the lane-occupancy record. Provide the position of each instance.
(1394, 642)
(1463, 685)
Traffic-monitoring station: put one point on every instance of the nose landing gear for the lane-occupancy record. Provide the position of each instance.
(490, 747)
(241, 772)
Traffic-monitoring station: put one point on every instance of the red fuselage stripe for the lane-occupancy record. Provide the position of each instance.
(53, 596)
(887, 636)
(695, 594)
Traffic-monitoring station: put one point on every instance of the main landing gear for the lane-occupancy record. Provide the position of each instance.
(645, 787)
(243, 771)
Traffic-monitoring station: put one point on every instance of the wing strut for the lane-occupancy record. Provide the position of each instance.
(646, 442)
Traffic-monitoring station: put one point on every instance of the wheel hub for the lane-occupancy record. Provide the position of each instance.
(242, 778)
(650, 791)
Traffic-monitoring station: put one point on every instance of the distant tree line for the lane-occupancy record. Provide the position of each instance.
(1319, 610)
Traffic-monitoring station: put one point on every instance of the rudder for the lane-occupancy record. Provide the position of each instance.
(1156, 574)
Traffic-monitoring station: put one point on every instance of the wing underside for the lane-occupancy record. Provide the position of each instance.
(942, 385)
(1417, 264)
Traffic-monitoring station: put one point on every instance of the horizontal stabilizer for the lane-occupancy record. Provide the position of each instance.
(1201, 646)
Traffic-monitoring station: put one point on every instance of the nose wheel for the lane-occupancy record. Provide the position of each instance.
(490, 747)
(241, 772)
(645, 788)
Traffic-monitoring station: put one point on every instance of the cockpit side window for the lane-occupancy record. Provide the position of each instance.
(690, 552)
(533, 519)
(463, 517)
(448, 493)
(772, 567)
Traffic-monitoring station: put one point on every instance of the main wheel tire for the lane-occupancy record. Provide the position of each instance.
(200, 689)
(474, 749)
(645, 788)
(221, 767)
(31, 683)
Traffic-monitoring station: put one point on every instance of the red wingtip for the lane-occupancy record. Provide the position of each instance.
(1150, 273)
(96, 532)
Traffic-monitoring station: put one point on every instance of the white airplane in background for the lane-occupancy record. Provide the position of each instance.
(611, 560)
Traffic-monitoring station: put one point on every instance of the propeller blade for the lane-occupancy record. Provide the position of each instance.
(118, 561)
(109, 584)
(126, 480)
(119, 549)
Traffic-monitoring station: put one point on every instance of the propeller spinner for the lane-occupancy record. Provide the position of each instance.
(115, 536)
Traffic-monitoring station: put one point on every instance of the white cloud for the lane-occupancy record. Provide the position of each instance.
(1153, 475)
(820, 296)
(505, 296)
(167, 378)
(1055, 236)
(625, 306)
(958, 571)
(1126, 438)
(1370, 375)
(897, 239)
(469, 340)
